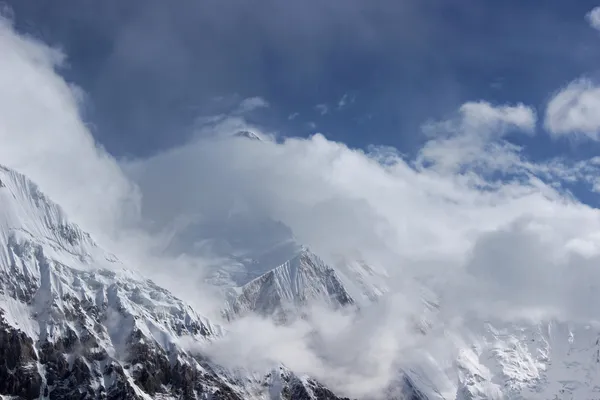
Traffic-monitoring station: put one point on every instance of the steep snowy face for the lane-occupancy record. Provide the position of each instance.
(67, 302)
(542, 361)
(285, 290)
(364, 282)
(74, 323)
(521, 360)
(27, 212)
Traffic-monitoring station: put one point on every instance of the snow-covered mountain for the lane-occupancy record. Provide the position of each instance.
(283, 291)
(552, 360)
(75, 323)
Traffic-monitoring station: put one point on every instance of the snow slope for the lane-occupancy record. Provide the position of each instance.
(501, 360)
(550, 360)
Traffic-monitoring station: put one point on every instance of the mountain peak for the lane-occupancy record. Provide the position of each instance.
(248, 135)
(27, 211)
(285, 290)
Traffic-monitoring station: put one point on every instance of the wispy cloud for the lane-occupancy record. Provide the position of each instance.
(574, 110)
(593, 18)
(322, 108)
(251, 104)
(345, 100)
(473, 133)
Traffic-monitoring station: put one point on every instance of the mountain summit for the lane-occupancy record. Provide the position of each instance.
(284, 290)
(248, 135)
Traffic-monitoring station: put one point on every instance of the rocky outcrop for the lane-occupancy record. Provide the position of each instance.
(18, 363)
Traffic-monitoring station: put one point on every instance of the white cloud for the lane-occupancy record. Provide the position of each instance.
(251, 104)
(497, 119)
(494, 247)
(470, 136)
(575, 110)
(322, 108)
(345, 100)
(593, 18)
(43, 136)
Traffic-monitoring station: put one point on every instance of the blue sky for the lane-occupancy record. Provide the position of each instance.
(150, 68)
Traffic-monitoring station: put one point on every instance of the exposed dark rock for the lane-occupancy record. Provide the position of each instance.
(297, 390)
(18, 363)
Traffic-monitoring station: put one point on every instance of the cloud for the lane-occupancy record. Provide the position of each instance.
(492, 233)
(474, 132)
(482, 115)
(345, 100)
(322, 108)
(338, 199)
(491, 238)
(593, 18)
(574, 110)
(317, 346)
(43, 136)
(540, 264)
(251, 104)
